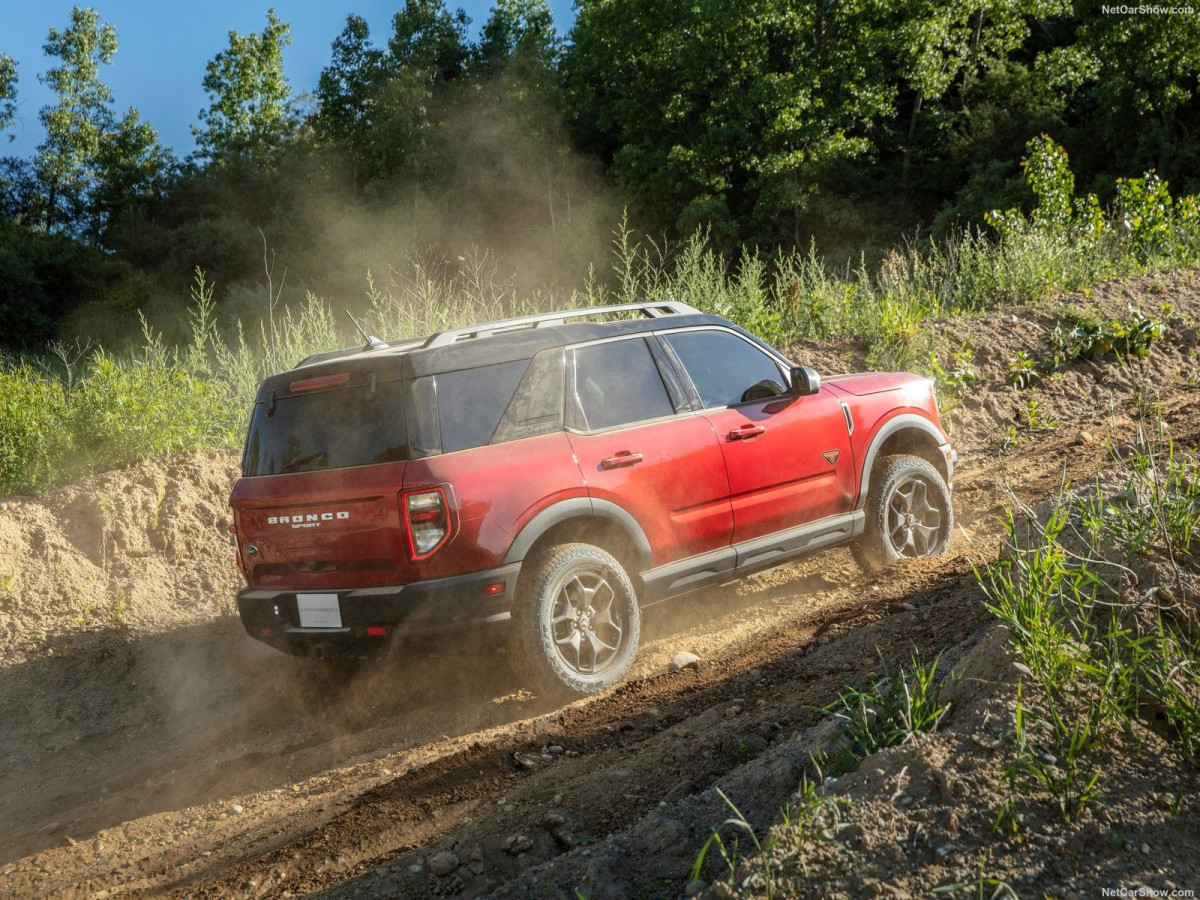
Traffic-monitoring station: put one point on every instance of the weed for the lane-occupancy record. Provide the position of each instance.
(8, 581)
(765, 875)
(955, 382)
(1022, 370)
(1070, 776)
(982, 887)
(740, 751)
(890, 712)
(1036, 419)
(813, 817)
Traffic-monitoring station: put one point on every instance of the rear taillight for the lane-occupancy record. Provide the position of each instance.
(426, 521)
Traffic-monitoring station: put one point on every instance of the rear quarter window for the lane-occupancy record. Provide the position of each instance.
(471, 402)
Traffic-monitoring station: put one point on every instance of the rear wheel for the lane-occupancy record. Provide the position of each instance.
(909, 514)
(576, 622)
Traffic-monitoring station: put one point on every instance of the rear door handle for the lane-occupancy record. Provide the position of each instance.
(746, 431)
(621, 460)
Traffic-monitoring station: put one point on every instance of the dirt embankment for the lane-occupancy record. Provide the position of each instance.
(151, 748)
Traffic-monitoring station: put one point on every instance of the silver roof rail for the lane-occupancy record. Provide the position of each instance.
(545, 320)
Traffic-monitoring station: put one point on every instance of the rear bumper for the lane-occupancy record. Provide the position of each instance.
(271, 616)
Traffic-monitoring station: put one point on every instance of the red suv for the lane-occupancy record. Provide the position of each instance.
(559, 472)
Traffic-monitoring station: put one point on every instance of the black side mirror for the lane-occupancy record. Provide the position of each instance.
(805, 381)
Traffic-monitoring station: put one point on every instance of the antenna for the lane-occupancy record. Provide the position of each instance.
(373, 343)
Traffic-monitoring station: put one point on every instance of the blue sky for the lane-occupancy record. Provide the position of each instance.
(164, 47)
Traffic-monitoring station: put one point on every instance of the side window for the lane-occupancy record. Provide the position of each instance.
(617, 383)
(470, 402)
(725, 368)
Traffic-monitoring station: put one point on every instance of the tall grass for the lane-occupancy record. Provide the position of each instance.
(90, 409)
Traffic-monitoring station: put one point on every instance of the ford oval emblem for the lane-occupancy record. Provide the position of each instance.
(251, 550)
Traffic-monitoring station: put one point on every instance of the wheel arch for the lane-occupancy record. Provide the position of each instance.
(590, 521)
(906, 433)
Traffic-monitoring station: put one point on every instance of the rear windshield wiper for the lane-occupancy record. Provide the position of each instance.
(320, 457)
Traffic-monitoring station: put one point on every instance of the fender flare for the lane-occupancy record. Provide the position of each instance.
(902, 422)
(581, 507)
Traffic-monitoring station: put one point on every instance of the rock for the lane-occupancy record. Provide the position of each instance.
(475, 860)
(1083, 437)
(908, 607)
(1047, 759)
(517, 843)
(684, 660)
(236, 809)
(525, 761)
(1023, 669)
(442, 864)
(943, 850)
(721, 891)
(50, 828)
(694, 887)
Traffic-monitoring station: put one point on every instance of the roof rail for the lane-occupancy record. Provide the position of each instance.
(544, 320)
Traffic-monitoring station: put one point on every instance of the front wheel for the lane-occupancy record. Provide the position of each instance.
(909, 514)
(576, 621)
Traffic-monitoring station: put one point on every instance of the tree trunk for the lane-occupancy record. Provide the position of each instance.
(912, 128)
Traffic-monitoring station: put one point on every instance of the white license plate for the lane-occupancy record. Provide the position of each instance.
(319, 610)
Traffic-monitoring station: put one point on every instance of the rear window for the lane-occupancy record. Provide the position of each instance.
(327, 430)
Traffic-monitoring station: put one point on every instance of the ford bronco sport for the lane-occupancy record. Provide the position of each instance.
(556, 473)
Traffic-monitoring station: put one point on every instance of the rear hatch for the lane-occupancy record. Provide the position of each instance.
(318, 504)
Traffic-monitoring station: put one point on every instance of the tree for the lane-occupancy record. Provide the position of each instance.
(66, 159)
(1146, 80)
(724, 113)
(8, 91)
(90, 164)
(251, 116)
(428, 38)
(518, 33)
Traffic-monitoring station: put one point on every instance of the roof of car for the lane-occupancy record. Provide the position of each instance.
(486, 345)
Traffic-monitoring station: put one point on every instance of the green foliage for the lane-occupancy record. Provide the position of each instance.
(250, 115)
(746, 114)
(892, 711)
(1132, 337)
(1022, 370)
(33, 432)
(8, 90)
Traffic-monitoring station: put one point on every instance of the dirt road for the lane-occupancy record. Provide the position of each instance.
(194, 762)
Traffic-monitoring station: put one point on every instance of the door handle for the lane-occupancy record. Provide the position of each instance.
(746, 431)
(621, 460)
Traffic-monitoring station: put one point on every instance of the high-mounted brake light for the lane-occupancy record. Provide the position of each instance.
(311, 384)
(426, 517)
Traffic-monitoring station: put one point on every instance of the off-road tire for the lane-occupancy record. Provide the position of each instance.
(534, 650)
(874, 548)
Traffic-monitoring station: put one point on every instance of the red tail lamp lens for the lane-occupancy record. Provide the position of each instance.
(426, 521)
(376, 631)
(493, 589)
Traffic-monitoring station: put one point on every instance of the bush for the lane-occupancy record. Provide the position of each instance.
(33, 433)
